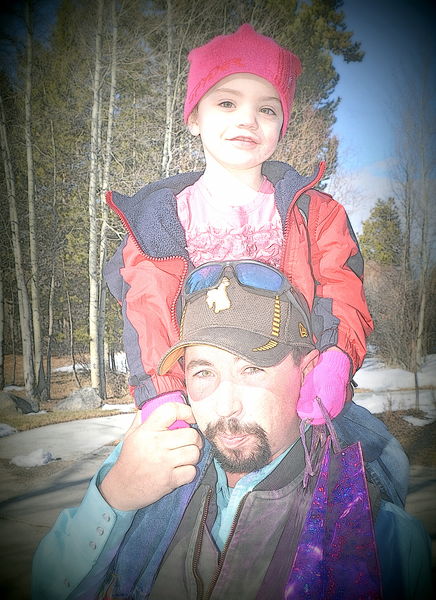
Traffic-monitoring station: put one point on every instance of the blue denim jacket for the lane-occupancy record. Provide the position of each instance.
(386, 463)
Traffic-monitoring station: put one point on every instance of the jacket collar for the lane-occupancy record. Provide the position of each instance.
(150, 216)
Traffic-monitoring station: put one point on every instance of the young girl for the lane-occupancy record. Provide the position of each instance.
(239, 99)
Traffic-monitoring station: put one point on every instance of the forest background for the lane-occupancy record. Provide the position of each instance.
(96, 104)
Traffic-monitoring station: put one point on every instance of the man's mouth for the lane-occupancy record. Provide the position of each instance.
(231, 441)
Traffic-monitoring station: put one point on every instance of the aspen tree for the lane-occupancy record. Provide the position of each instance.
(92, 205)
(34, 281)
(23, 297)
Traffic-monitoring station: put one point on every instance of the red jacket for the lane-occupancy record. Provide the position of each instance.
(320, 257)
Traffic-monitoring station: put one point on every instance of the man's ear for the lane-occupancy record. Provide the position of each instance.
(193, 123)
(308, 363)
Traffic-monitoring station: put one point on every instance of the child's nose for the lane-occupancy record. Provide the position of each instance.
(247, 117)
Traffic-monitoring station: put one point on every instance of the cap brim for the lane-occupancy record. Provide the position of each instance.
(235, 341)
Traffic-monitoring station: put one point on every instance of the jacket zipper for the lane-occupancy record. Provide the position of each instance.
(226, 547)
(127, 227)
(198, 543)
(315, 180)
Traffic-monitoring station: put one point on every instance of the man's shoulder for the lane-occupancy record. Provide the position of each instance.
(404, 551)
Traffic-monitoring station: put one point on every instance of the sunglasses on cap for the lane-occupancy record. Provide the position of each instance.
(256, 276)
(249, 273)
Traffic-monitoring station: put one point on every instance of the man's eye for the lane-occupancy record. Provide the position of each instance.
(252, 370)
(202, 374)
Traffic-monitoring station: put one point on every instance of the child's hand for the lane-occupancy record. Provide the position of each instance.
(328, 380)
(154, 459)
(152, 404)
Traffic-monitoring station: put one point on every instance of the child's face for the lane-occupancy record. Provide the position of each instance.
(239, 121)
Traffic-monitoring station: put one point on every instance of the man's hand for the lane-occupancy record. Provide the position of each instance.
(154, 460)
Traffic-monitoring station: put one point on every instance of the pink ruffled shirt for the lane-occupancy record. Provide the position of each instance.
(224, 219)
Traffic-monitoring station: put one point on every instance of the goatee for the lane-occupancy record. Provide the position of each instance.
(240, 460)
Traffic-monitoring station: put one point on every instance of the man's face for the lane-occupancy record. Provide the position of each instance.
(248, 413)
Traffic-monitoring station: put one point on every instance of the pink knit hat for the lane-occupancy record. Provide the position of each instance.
(242, 52)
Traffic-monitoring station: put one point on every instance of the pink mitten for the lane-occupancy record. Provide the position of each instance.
(152, 404)
(328, 380)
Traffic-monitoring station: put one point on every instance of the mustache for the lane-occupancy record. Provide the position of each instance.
(233, 427)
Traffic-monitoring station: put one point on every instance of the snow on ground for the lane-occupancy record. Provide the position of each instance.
(393, 389)
(376, 377)
(6, 430)
(121, 407)
(70, 369)
(379, 402)
(120, 365)
(34, 459)
(121, 362)
(12, 388)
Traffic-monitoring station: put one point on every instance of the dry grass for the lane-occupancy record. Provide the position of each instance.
(419, 442)
(26, 422)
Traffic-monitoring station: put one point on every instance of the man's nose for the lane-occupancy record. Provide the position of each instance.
(227, 400)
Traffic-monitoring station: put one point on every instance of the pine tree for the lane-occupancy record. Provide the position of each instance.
(381, 240)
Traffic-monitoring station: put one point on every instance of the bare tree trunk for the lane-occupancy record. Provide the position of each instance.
(34, 288)
(415, 172)
(424, 259)
(166, 153)
(23, 298)
(70, 328)
(50, 334)
(12, 327)
(50, 329)
(424, 250)
(415, 375)
(92, 201)
(104, 208)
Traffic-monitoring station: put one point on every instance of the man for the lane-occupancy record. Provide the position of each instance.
(224, 509)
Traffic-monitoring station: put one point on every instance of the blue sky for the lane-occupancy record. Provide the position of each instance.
(395, 36)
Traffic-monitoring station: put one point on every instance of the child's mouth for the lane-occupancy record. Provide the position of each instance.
(243, 139)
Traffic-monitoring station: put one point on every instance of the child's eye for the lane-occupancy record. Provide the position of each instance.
(268, 111)
(226, 104)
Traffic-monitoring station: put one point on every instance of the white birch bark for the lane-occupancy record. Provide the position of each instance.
(50, 332)
(34, 281)
(166, 153)
(23, 297)
(93, 264)
(104, 207)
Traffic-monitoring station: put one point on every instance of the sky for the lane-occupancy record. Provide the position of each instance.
(395, 36)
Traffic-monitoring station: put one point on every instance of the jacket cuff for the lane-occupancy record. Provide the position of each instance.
(154, 386)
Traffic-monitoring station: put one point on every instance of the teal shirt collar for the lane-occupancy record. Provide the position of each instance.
(228, 499)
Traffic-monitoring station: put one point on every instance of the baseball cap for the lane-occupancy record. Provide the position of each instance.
(245, 307)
